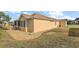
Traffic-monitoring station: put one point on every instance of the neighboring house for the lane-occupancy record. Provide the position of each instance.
(76, 21)
(37, 23)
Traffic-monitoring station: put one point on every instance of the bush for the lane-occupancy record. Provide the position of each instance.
(6, 27)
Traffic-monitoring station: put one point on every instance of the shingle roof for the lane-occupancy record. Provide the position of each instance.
(26, 15)
(37, 16)
(41, 17)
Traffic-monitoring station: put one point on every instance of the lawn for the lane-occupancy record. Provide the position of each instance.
(73, 30)
(56, 38)
(73, 26)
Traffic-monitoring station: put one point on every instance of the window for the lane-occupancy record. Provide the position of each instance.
(24, 24)
(18, 23)
(14, 22)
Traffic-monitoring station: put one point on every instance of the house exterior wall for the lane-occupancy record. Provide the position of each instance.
(15, 25)
(62, 23)
(30, 25)
(56, 23)
(65, 23)
(22, 28)
(38, 25)
(43, 25)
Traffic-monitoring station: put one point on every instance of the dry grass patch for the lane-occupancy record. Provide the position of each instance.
(49, 39)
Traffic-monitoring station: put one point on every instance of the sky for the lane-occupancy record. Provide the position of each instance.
(71, 15)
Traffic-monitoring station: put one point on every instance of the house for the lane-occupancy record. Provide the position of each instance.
(76, 21)
(62, 22)
(37, 23)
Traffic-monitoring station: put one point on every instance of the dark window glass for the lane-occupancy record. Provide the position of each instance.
(24, 23)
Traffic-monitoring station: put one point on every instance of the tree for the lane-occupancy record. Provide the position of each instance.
(7, 18)
(1, 16)
(4, 17)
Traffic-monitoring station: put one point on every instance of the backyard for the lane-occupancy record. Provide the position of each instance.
(56, 38)
(73, 26)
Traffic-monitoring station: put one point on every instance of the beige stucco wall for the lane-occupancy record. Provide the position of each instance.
(22, 18)
(66, 23)
(57, 23)
(43, 25)
(38, 25)
(30, 26)
(23, 28)
(63, 23)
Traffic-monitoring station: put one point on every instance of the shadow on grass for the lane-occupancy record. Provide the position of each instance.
(74, 32)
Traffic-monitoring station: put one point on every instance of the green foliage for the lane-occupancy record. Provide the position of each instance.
(6, 27)
(0, 22)
(4, 17)
(7, 18)
(2, 14)
(73, 26)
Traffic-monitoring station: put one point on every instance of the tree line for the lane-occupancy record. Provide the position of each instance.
(4, 17)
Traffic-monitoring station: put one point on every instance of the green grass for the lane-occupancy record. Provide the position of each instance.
(49, 39)
(73, 30)
(73, 26)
